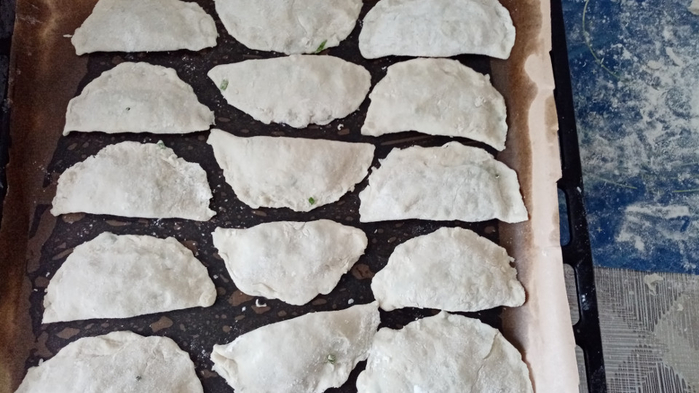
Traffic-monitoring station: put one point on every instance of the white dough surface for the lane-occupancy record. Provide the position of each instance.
(123, 276)
(452, 269)
(307, 354)
(288, 260)
(145, 26)
(138, 97)
(301, 174)
(437, 97)
(450, 182)
(132, 179)
(437, 28)
(116, 362)
(289, 26)
(443, 354)
(297, 90)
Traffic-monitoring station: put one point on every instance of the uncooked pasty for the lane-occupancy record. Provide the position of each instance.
(132, 179)
(123, 276)
(310, 354)
(297, 173)
(116, 362)
(287, 260)
(437, 97)
(145, 26)
(443, 353)
(437, 28)
(297, 90)
(289, 26)
(138, 97)
(450, 182)
(451, 269)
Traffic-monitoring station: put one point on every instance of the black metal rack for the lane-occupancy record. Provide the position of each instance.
(577, 252)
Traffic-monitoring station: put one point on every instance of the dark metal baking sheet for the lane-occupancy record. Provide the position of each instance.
(197, 330)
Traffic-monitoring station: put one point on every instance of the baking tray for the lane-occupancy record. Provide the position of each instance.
(34, 244)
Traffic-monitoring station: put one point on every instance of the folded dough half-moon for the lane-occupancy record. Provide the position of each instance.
(437, 28)
(123, 276)
(145, 26)
(297, 173)
(138, 97)
(289, 26)
(451, 269)
(297, 90)
(443, 353)
(288, 260)
(450, 182)
(310, 354)
(437, 97)
(132, 179)
(115, 362)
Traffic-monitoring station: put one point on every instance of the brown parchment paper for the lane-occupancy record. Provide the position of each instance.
(46, 74)
(541, 328)
(43, 76)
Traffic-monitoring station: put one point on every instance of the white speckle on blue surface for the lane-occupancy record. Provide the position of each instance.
(636, 95)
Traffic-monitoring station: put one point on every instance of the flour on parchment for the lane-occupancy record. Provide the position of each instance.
(451, 182)
(145, 26)
(451, 269)
(138, 97)
(437, 28)
(123, 276)
(132, 179)
(437, 97)
(289, 26)
(311, 353)
(297, 173)
(287, 260)
(296, 90)
(116, 362)
(443, 353)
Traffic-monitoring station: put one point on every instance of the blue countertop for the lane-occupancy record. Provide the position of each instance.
(635, 75)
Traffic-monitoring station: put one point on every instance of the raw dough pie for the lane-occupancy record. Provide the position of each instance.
(289, 26)
(451, 182)
(444, 353)
(114, 276)
(290, 261)
(450, 269)
(437, 28)
(296, 90)
(437, 97)
(116, 362)
(309, 354)
(145, 26)
(297, 173)
(138, 97)
(132, 179)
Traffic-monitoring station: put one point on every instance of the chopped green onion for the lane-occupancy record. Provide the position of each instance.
(311, 200)
(224, 85)
(321, 46)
